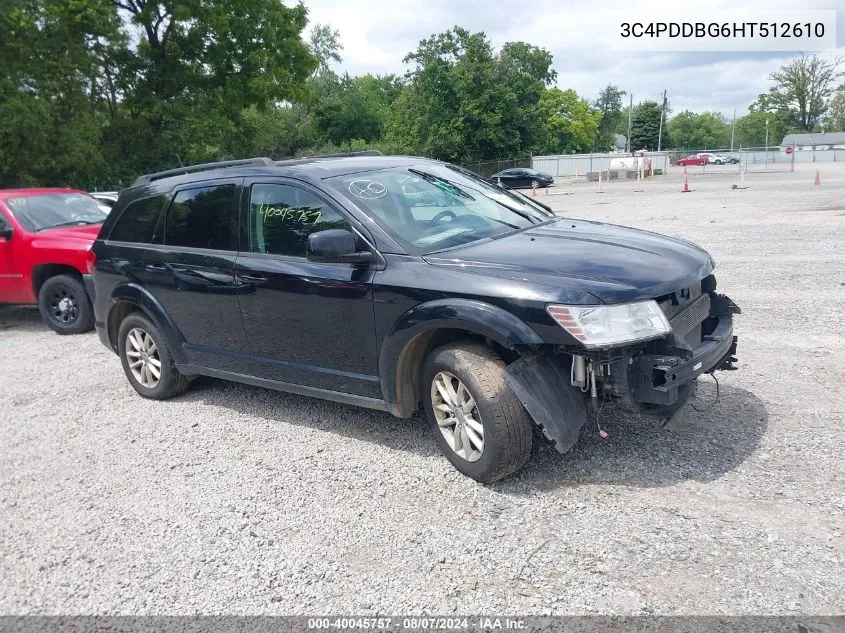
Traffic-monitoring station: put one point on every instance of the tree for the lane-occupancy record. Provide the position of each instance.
(645, 126)
(835, 121)
(356, 108)
(699, 131)
(455, 106)
(325, 46)
(569, 124)
(609, 106)
(750, 130)
(526, 70)
(49, 89)
(802, 88)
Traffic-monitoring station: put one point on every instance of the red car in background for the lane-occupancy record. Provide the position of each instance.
(45, 254)
(692, 160)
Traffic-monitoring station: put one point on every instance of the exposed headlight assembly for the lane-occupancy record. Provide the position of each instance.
(597, 327)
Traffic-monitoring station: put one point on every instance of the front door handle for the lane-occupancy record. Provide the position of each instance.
(253, 279)
(156, 268)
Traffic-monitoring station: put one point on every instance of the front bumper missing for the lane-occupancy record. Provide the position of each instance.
(655, 379)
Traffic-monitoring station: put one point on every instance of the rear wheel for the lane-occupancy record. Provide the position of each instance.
(65, 306)
(146, 360)
(477, 421)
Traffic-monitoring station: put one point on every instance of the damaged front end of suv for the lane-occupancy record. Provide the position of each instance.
(642, 356)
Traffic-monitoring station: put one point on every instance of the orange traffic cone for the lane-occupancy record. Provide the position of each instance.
(533, 192)
(818, 179)
(686, 188)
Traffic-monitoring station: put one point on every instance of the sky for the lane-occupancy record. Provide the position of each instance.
(377, 34)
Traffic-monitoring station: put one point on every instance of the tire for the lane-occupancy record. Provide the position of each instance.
(506, 427)
(535, 184)
(65, 306)
(147, 344)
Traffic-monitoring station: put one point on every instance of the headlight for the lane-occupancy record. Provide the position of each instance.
(610, 326)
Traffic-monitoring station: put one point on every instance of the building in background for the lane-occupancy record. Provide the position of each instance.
(827, 140)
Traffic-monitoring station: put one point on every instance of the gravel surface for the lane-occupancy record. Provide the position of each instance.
(232, 499)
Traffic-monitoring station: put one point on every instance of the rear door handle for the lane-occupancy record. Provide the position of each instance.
(156, 268)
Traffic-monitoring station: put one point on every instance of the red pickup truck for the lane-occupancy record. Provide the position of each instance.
(45, 254)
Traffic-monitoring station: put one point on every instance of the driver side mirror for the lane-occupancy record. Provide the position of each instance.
(6, 233)
(336, 246)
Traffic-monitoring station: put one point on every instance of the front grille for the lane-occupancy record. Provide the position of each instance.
(691, 316)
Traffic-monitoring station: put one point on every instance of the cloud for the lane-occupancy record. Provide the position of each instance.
(376, 35)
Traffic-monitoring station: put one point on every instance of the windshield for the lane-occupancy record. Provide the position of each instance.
(45, 211)
(430, 207)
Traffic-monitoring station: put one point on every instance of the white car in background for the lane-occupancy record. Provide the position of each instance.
(106, 199)
(719, 159)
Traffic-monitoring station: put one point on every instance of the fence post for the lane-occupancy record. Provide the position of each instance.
(792, 162)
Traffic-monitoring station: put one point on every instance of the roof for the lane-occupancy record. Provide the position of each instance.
(17, 193)
(826, 138)
(316, 167)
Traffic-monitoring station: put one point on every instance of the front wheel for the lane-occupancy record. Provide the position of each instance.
(535, 184)
(477, 421)
(65, 306)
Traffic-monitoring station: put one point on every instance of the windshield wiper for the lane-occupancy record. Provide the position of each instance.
(435, 179)
(71, 223)
(432, 179)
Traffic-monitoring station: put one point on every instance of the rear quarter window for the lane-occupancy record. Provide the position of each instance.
(138, 221)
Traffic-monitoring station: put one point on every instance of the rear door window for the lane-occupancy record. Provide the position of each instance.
(138, 221)
(203, 217)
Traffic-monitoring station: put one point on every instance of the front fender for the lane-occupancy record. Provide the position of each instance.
(399, 352)
(149, 305)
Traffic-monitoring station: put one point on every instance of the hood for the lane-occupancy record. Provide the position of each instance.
(613, 263)
(72, 237)
(86, 232)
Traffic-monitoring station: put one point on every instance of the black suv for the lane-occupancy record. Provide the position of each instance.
(393, 282)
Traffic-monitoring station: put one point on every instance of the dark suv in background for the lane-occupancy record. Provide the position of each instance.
(395, 282)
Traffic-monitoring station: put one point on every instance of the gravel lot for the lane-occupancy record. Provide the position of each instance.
(231, 499)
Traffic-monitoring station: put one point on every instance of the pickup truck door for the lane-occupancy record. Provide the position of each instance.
(12, 283)
(306, 323)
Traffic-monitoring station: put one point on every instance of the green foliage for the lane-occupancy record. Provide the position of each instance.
(645, 126)
(94, 92)
(801, 91)
(570, 126)
(699, 131)
(750, 130)
(464, 103)
(609, 107)
(835, 121)
(355, 107)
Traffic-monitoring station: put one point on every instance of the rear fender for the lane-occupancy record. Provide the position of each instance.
(149, 305)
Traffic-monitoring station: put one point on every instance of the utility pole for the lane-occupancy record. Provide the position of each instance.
(733, 125)
(660, 130)
(630, 107)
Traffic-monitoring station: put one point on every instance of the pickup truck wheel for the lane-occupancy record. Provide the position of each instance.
(146, 360)
(65, 306)
(478, 422)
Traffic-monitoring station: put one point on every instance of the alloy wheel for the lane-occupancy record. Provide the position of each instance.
(143, 357)
(457, 416)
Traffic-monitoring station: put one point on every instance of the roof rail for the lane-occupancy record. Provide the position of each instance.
(203, 167)
(366, 152)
